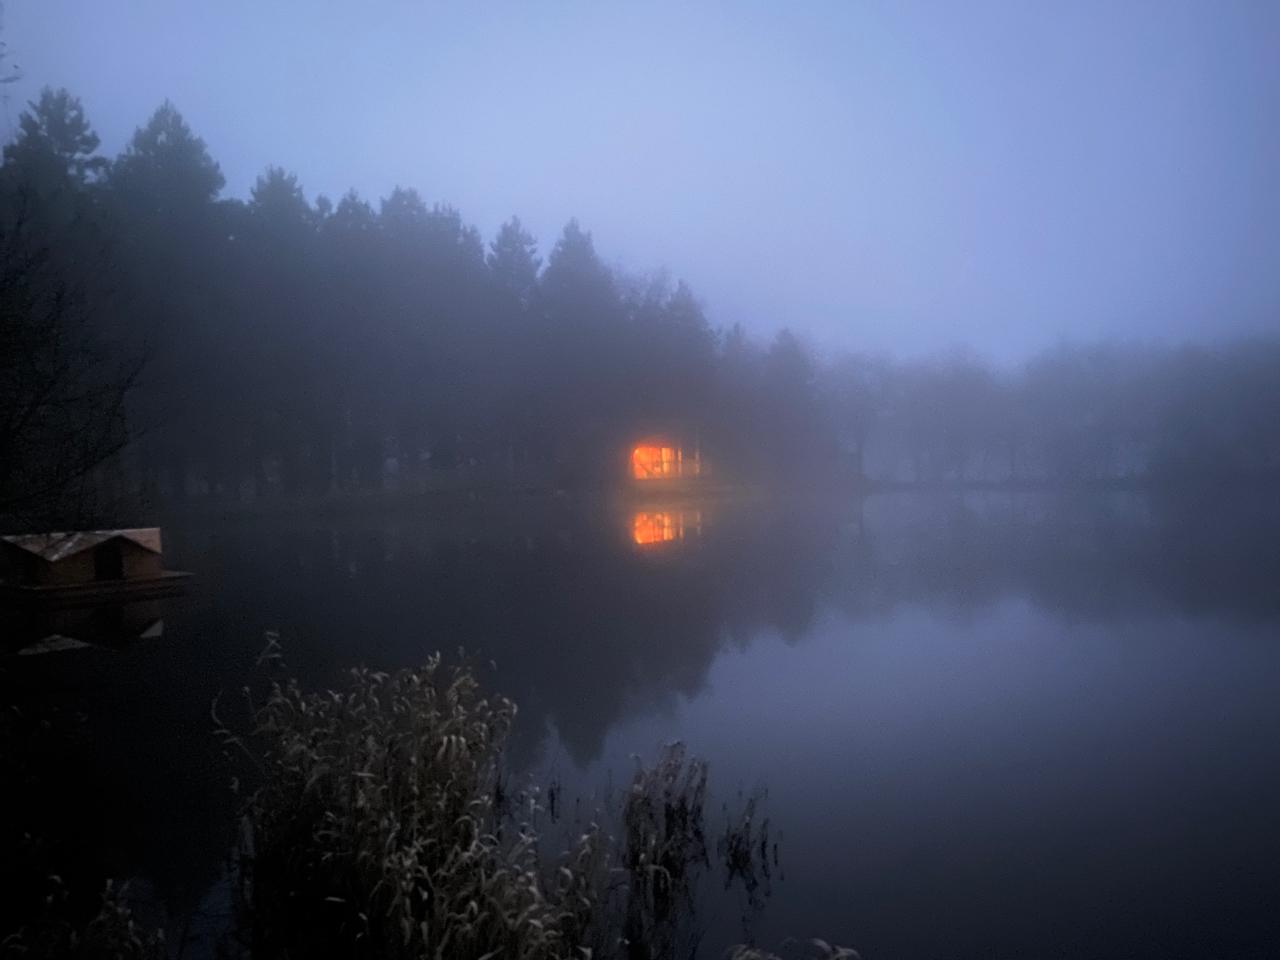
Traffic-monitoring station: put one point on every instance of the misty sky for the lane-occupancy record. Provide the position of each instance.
(885, 176)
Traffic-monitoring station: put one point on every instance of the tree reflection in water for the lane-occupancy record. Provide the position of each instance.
(586, 621)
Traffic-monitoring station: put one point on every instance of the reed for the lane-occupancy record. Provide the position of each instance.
(383, 825)
(109, 934)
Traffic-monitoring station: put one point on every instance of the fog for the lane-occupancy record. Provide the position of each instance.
(885, 177)
(308, 251)
(876, 402)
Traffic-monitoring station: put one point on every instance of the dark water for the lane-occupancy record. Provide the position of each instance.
(989, 726)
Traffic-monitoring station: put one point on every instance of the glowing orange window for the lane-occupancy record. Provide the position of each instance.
(654, 462)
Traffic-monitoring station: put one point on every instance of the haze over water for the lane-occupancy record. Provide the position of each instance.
(882, 400)
(987, 726)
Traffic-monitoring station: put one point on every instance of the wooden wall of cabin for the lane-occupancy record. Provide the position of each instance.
(77, 568)
(82, 567)
(18, 565)
(139, 562)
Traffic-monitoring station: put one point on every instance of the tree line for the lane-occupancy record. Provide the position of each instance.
(1076, 413)
(168, 341)
(297, 347)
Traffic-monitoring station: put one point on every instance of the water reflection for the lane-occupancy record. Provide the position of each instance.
(43, 629)
(596, 618)
(653, 527)
(552, 599)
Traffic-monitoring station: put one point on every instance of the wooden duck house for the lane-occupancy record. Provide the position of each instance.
(85, 565)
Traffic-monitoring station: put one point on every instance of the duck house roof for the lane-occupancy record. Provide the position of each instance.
(54, 547)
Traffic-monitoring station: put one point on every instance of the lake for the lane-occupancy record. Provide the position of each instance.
(989, 725)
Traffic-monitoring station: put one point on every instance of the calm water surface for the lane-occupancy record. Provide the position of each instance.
(989, 725)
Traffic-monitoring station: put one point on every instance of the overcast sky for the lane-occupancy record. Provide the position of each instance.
(886, 176)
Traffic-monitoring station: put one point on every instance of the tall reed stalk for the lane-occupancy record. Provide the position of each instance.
(382, 826)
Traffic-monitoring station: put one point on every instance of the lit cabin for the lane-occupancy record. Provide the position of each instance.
(87, 562)
(661, 459)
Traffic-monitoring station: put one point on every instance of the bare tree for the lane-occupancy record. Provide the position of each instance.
(63, 388)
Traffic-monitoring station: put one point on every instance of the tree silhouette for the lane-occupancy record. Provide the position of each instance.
(54, 136)
(513, 261)
(301, 349)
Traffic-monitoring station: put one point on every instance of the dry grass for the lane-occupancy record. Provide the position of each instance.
(50, 906)
(377, 826)
(111, 934)
(810, 949)
(745, 849)
(664, 848)
(383, 826)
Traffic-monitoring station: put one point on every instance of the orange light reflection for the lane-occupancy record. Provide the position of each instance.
(651, 527)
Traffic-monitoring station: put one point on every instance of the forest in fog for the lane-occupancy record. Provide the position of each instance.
(162, 341)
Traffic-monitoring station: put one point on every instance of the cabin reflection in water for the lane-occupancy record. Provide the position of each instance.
(40, 629)
(654, 527)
